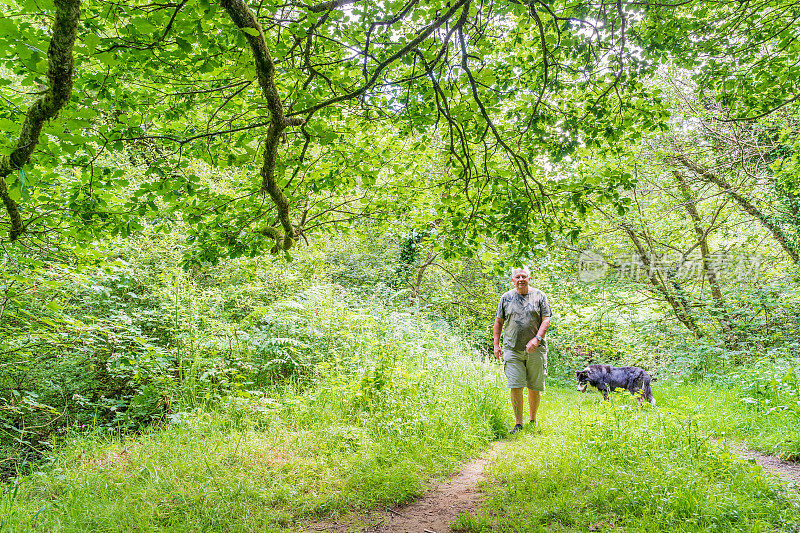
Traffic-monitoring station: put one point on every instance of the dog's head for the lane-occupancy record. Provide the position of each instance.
(583, 379)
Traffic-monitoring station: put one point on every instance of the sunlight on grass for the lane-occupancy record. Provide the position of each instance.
(608, 466)
(271, 463)
(410, 405)
(772, 430)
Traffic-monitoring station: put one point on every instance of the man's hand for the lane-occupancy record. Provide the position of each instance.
(497, 330)
(532, 345)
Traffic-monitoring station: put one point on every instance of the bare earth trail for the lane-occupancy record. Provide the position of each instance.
(432, 512)
(787, 471)
(438, 508)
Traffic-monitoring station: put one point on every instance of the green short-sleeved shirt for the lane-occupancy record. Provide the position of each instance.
(523, 315)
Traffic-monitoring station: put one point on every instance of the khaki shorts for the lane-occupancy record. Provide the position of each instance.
(525, 369)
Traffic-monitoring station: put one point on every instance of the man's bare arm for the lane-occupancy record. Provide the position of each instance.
(534, 342)
(544, 327)
(497, 330)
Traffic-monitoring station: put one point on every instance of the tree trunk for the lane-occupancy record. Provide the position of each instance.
(702, 240)
(748, 206)
(59, 76)
(675, 297)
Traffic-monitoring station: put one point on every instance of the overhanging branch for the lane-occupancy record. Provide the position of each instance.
(409, 47)
(59, 75)
(244, 19)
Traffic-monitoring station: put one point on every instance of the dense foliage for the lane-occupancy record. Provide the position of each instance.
(396, 158)
(302, 105)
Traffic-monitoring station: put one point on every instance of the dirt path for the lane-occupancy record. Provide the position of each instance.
(432, 512)
(787, 471)
(435, 510)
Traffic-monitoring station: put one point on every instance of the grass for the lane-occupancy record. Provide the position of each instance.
(772, 430)
(265, 463)
(271, 462)
(608, 466)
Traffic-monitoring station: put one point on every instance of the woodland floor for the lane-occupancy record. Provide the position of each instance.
(430, 513)
(788, 471)
(435, 510)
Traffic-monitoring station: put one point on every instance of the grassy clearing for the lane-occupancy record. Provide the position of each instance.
(768, 422)
(383, 409)
(213, 472)
(414, 408)
(607, 466)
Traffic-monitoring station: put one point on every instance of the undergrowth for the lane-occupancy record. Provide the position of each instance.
(763, 414)
(377, 404)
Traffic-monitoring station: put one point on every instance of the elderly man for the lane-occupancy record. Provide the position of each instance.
(526, 315)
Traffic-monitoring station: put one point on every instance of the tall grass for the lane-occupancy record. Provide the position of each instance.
(608, 466)
(376, 404)
(766, 419)
(317, 405)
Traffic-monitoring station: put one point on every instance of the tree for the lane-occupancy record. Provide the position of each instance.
(270, 88)
(44, 108)
(179, 81)
(708, 231)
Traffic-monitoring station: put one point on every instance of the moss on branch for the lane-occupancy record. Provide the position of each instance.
(245, 20)
(59, 75)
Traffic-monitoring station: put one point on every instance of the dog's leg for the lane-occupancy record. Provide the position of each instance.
(648, 392)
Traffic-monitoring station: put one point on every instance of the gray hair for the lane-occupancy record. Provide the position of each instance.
(523, 269)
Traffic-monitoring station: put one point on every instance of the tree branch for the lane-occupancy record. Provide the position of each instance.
(711, 275)
(331, 5)
(411, 45)
(245, 20)
(152, 45)
(59, 74)
(746, 204)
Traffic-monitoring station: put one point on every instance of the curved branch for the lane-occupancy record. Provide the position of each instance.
(765, 113)
(411, 45)
(519, 161)
(155, 43)
(59, 74)
(244, 19)
(330, 6)
(545, 64)
(745, 204)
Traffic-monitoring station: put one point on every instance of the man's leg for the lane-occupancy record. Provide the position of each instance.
(534, 397)
(514, 368)
(516, 403)
(537, 372)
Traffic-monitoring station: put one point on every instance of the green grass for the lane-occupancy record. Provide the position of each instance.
(344, 408)
(263, 464)
(274, 462)
(773, 431)
(608, 466)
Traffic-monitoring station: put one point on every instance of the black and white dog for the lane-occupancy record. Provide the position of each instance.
(608, 378)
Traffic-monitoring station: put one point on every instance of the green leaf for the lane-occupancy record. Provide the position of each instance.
(108, 58)
(91, 41)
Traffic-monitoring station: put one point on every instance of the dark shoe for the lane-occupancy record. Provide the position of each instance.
(533, 424)
(516, 428)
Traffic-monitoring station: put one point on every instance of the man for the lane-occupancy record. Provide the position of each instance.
(526, 314)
